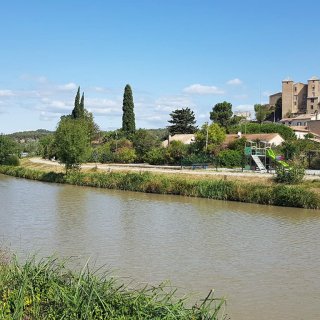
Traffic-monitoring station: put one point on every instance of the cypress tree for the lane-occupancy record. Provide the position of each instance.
(81, 106)
(76, 110)
(128, 119)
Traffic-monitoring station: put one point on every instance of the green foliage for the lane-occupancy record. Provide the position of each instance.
(222, 113)
(78, 110)
(285, 131)
(128, 117)
(156, 156)
(262, 111)
(11, 160)
(143, 141)
(183, 121)
(213, 135)
(290, 149)
(8, 147)
(125, 155)
(238, 144)
(72, 141)
(197, 158)
(29, 136)
(231, 158)
(47, 149)
(175, 152)
(293, 175)
(46, 289)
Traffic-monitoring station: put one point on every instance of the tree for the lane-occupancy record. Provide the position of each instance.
(210, 137)
(221, 114)
(76, 112)
(8, 148)
(143, 141)
(80, 112)
(128, 119)
(72, 140)
(183, 121)
(262, 111)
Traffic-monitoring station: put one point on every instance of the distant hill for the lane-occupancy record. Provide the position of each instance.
(27, 136)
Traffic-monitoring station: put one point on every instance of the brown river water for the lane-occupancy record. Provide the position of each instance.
(265, 260)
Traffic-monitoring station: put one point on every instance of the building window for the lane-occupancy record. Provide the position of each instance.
(305, 124)
(312, 100)
(311, 107)
(295, 89)
(298, 123)
(295, 103)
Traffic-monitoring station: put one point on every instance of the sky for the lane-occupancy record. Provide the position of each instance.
(173, 53)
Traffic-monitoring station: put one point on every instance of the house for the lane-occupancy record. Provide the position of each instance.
(300, 131)
(184, 138)
(301, 120)
(271, 138)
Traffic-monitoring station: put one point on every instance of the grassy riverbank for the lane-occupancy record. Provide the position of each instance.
(301, 196)
(48, 290)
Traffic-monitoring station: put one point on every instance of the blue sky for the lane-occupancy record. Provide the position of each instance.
(173, 53)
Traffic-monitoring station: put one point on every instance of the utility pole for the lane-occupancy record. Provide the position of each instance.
(207, 136)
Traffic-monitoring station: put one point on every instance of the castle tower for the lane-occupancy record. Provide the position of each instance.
(313, 99)
(287, 98)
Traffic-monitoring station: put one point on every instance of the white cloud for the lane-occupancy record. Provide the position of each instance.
(68, 86)
(6, 93)
(235, 82)
(202, 89)
(172, 102)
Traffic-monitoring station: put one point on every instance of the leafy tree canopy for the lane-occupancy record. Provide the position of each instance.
(8, 147)
(210, 137)
(262, 111)
(72, 141)
(183, 121)
(143, 141)
(222, 113)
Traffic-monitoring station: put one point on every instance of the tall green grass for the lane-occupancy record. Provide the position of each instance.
(48, 290)
(277, 194)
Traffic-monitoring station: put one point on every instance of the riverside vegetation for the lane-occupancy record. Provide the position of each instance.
(304, 195)
(46, 289)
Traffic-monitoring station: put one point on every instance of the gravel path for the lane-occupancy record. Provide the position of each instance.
(310, 174)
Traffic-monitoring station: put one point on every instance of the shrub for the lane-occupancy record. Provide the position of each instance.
(175, 152)
(125, 155)
(11, 160)
(292, 175)
(156, 156)
(230, 158)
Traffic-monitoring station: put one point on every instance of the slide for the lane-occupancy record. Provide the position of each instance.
(272, 155)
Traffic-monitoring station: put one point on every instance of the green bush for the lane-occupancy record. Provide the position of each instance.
(291, 175)
(11, 160)
(156, 156)
(230, 158)
(125, 155)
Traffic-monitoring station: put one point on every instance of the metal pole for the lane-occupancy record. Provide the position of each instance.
(207, 136)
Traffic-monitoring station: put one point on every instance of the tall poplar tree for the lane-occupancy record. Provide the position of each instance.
(128, 118)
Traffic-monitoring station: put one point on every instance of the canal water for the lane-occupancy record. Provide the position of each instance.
(265, 260)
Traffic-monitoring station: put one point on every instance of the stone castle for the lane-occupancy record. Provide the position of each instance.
(298, 98)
